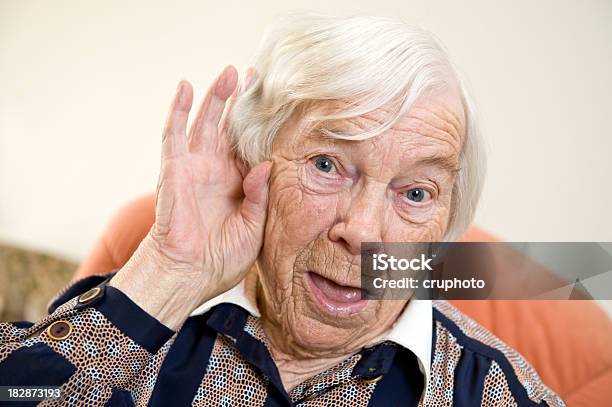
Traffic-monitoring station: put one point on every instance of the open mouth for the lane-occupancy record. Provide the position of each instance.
(335, 298)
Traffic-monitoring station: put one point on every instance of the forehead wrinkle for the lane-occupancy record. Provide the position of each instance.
(423, 128)
(445, 113)
(377, 118)
(447, 161)
(354, 124)
(445, 123)
(416, 155)
(307, 131)
(455, 127)
(429, 151)
(414, 124)
(364, 122)
(384, 152)
(435, 115)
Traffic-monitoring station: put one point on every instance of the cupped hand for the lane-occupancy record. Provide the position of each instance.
(209, 218)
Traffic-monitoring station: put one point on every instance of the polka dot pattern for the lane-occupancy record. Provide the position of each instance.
(142, 387)
(440, 387)
(105, 359)
(87, 348)
(229, 379)
(496, 390)
(526, 374)
(333, 387)
(81, 390)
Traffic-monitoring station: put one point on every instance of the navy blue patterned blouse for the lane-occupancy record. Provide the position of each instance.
(102, 349)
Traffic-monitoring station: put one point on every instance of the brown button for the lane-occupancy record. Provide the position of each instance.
(90, 295)
(59, 330)
(311, 397)
(372, 380)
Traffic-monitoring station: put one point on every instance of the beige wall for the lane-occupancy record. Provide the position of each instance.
(84, 88)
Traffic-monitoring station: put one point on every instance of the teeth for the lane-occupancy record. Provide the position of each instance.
(350, 295)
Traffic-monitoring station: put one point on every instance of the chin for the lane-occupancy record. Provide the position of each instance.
(314, 328)
(313, 335)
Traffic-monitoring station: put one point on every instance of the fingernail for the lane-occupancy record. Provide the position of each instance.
(222, 80)
(180, 91)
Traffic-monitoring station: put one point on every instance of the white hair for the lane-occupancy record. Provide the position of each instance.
(367, 62)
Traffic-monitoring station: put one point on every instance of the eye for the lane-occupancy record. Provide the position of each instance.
(416, 194)
(324, 163)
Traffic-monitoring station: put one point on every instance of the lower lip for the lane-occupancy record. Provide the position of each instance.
(334, 298)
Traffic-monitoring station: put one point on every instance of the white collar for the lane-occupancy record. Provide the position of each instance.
(412, 330)
(237, 295)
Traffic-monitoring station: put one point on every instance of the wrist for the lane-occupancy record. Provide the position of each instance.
(168, 296)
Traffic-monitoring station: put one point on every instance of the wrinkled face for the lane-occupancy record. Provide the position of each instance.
(329, 195)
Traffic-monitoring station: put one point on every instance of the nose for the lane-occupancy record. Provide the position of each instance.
(361, 219)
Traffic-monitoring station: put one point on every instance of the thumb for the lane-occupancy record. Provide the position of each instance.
(255, 204)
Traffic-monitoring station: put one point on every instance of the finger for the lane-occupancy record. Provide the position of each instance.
(255, 204)
(245, 84)
(203, 134)
(174, 140)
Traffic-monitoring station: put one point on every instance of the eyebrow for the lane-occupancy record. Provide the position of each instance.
(446, 162)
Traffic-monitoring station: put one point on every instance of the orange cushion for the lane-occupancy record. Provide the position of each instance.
(566, 341)
(121, 238)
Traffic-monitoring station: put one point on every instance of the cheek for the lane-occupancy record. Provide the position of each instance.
(431, 230)
(295, 210)
(296, 217)
(428, 229)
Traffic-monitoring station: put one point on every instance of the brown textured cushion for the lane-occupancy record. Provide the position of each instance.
(568, 342)
(28, 280)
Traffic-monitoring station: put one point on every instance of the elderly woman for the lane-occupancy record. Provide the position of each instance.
(246, 289)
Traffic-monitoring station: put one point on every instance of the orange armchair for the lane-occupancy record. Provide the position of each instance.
(568, 342)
